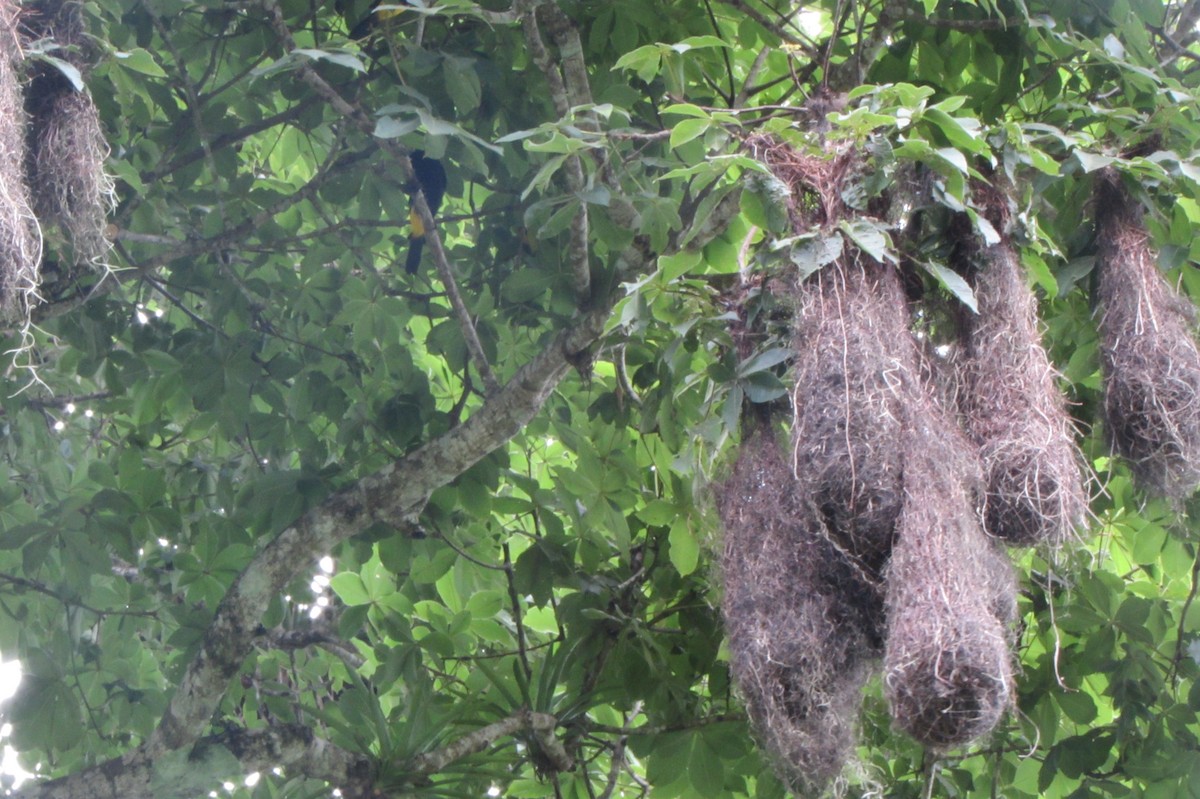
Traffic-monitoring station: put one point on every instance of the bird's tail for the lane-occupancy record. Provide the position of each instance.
(415, 245)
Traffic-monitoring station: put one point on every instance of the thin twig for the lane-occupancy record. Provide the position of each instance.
(660, 729)
(516, 611)
(1187, 604)
(32, 585)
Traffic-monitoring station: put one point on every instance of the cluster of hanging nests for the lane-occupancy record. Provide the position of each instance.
(52, 148)
(875, 532)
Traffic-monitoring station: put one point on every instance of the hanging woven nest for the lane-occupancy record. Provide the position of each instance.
(853, 363)
(20, 236)
(802, 624)
(71, 189)
(951, 595)
(1148, 352)
(1013, 411)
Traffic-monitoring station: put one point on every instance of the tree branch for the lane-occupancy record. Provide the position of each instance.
(1185, 23)
(568, 87)
(302, 639)
(797, 40)
(540, 724)
(394, 495)
(21, 583)
(229, 755)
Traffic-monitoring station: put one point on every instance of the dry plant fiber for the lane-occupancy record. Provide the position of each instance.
(20, 236)
(71, 186)
(802, 625)
(854, 361)
(1013, 410)
(815, 180)
(950, 595)
(1148, 352)
(67, 142)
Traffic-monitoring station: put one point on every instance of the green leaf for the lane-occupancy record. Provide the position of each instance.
(954, 158)
(342, 59)
(952, 282)
(685, 550)
(350, 588)
(871, 237)
(693, 42)
(139, 60)
(67, 69)
(687, 130)
(813, 251)
(1040, 271)
(646, 61)
(1078, 706)
(963, 133)
(1148, 543)
(392, 128)
(761, 387)
(705, 769)
(658, 513)
(462, 84)
(764, 360)
(1090, 162)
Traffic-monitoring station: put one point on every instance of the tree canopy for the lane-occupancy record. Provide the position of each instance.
(272, 506)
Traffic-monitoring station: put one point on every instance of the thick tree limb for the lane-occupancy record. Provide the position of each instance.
(571, 62)
(1185, 23)
(393, 495)
(228, 755)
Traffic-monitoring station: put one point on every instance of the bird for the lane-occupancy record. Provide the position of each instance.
(370, 22)
(431, 180)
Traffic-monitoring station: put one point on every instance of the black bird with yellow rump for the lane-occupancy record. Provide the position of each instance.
(431, 180)
(366, 17)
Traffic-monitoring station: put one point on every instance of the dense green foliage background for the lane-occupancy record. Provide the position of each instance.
(257, 349)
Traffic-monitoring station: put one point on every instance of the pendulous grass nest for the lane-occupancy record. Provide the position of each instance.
(66, 142)
(1012, 409)
(951, 594)
(866, 540)
(854, 361)
(803, 625)
(1148, 352)
(20, 235)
